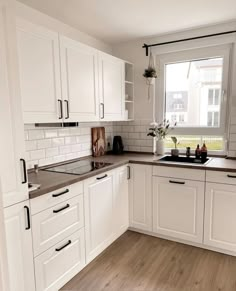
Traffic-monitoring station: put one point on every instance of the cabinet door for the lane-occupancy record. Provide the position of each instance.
(178, 208)
(55, 267)
(99, 192)
(112, 94)
(79, 67)
(220, 216)
(19, 248)
(121, 201)
(38, 53)
(140, 197)
(12, 148)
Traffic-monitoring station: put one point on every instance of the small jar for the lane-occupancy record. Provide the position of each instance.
(188, 152)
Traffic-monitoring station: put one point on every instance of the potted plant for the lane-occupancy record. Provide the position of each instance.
(175, 151)
(159, 131)
(150, 74)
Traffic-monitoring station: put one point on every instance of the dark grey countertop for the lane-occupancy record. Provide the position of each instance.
(51, 181)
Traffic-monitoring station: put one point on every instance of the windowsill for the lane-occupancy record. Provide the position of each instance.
(220, 154)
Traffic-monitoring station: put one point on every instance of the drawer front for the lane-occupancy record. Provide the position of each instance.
(179, 173)
(59, 264)
(53, 198)
(221, 177)
(54, 224)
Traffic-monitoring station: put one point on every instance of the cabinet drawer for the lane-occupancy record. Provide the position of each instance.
(56, 223)
(179, 173)
(59, 264)
(221, 177)
(53, 198)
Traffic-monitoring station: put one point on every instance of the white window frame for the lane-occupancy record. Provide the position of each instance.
(194, 54)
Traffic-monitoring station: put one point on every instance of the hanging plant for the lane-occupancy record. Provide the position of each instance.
(150, 74)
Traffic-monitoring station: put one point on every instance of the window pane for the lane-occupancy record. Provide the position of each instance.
(213, 143)
(192, 89)
(216, 119)
(217, 95)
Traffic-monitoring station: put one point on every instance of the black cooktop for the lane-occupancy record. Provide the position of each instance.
(78, 167)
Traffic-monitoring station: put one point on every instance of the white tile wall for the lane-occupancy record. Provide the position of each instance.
(45, 146)
(134, 135)
(232, 136)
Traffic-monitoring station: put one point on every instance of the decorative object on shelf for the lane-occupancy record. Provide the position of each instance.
(204, 152)
(150, 74)
(175, 151)
(159, 131)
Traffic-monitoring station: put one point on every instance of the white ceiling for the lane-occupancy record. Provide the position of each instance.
(122, 20)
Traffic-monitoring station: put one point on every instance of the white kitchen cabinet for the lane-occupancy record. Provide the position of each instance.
(98, 200)
(79, 70)
(12, 148)
(56, 223)
(39, 65)
(178, 208)
(140, 196)
(19, 247)
(220, 216)
(55, 267)
(111, 87)
(121, 201)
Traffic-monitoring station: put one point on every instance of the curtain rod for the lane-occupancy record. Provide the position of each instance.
(147, 46)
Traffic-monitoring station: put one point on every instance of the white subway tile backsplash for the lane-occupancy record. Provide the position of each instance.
(36, 134)
(52, 145)
(65, 149)
(51, 152)
(50, 133)
(30, 145)
(70, 140)
(44, 143)
(37, 154)
(58, 141)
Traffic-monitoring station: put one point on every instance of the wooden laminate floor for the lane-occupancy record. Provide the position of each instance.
(142, 263)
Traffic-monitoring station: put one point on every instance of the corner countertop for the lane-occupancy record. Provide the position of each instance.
(51, 181)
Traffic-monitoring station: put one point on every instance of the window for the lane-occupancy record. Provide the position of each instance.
(190, 90)
(213, 96)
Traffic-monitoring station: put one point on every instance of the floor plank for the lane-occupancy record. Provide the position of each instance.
(137, 262)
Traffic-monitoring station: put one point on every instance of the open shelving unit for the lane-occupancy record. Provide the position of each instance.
(129, 91)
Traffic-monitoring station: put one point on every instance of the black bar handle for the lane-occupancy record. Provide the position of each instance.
(176, 182)
(102, 104)
(128, 172)
(61, 193)
(231, 176)
(99, 178)
(61, 248)
(63, 208)
(67, 109)
(61, 111)
(24, 171)
(28, 217)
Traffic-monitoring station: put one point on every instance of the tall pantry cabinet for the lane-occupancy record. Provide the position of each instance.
(13, 173)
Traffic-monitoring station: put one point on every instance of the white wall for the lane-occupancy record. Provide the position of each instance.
(133, 52)
(37, 17)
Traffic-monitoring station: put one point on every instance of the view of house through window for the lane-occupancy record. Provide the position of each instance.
(193, 92)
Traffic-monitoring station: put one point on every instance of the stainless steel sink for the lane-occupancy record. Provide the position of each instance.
(182, 159)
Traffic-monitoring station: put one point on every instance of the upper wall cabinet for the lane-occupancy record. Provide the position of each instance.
(111, 86)
(39, 65)
(79, 69)
(13, 174)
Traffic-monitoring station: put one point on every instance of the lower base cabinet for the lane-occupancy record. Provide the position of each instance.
(140, 197)
(55, 267)
(19, 247)
(220, 216)
(178, 208)
(98, 206)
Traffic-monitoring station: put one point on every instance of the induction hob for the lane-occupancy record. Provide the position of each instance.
(78, 167)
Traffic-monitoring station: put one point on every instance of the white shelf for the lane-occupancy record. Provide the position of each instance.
(129, 82)
(129, 101)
